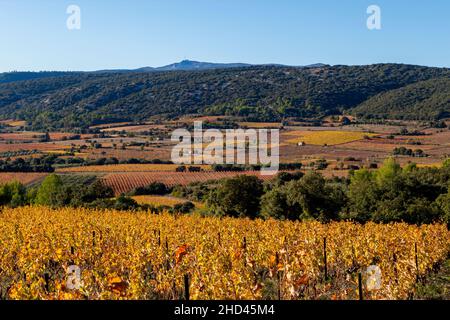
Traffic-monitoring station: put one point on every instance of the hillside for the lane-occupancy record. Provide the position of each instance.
(20, 76)
(264, 93)
(422, 100)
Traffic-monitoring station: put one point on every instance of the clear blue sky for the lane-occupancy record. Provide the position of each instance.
(137, 33)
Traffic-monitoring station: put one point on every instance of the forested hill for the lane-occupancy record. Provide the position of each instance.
(258, 92)
(424, 99)
(20, 76)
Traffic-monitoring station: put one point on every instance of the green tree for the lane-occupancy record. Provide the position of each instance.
(362, 195)
(237, 197)
(313, 196)
(125, 203)
(274, 204)
(49, 193)
(446, 163)
(388, 173)
(82, 194)
(13, 194)
(443, 203)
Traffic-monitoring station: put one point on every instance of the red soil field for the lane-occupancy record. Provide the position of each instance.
(20, 136)
(30, 146)
(25, 178)
(126, 182)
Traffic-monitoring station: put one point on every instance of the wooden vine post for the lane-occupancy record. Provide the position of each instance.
(277, 261)
(186, 287)
(47, 280)
(360, 286)
(417, 262)
(325, 259)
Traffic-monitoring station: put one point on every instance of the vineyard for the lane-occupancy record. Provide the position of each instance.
(126, 182)
(43, 147)
(261, 125)
(23, 177)
(130, 168)
(124, 255)
(162, 201)
(326, 137)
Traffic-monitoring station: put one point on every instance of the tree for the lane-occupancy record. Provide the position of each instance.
(45, 137)
(362, 195)
(313, 197)
(49, 193)
(13, 194)
(274, 204)
(443, 203)
(421, 210)
(446, 163)
(237, 197)
(156, 188)
(86, 194)
(125, 203)
(388, 173)
(184, 208)
(345, 121)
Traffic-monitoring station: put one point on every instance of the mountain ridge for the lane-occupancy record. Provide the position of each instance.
(184, 65)
(259, 93)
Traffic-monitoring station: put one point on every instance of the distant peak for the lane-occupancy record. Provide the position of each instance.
(198, 65)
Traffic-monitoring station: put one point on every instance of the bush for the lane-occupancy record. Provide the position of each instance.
(237, 197)
(13, 194)
(184, 208)
(51, 192)
(125, 203)
(155, 188)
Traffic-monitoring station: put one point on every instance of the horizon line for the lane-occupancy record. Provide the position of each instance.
(224, 63)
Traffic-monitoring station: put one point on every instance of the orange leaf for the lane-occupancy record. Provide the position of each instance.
(302, 281)
(117, 285)
(180, 253)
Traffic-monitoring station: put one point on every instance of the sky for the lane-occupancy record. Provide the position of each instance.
(126, 34)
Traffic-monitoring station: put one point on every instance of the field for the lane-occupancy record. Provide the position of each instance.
(326, 137)
(29, 136)
(23, 177)
(162, 201)
(129, 168)
(131, 128)
(260, 125)
(126, 182)
(20, 136)
(344, 148)
(42, 147)
(14, 123)
(144, 256)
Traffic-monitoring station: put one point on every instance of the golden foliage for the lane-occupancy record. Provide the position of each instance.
(142, 256)
(163, 201)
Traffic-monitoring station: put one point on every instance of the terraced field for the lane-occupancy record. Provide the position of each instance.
(126, 182)
(130, 168)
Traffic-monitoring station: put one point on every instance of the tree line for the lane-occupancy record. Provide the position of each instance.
(388, 194)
